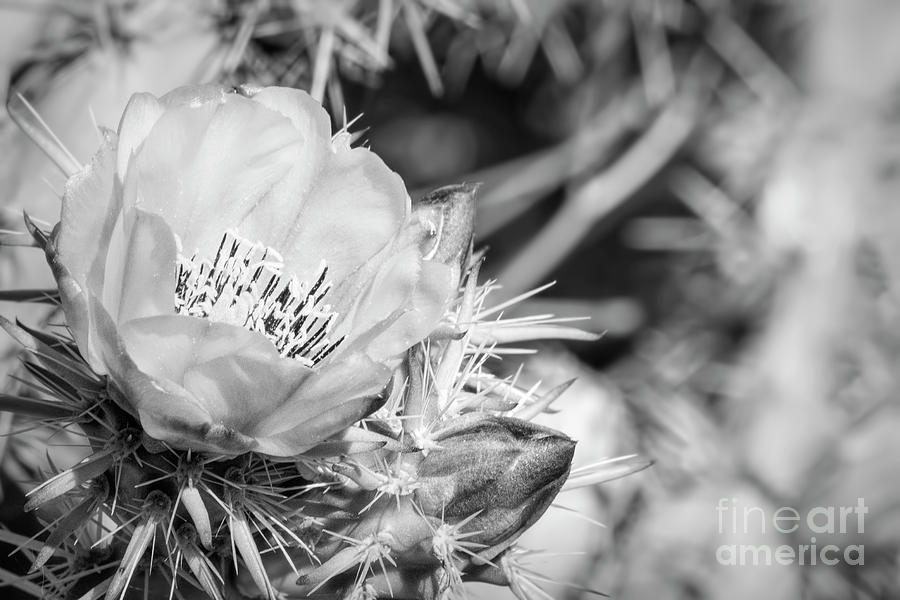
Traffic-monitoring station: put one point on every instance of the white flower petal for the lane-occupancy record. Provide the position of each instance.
(148, 284)
(236, 375)
(306, 114)
(209, 168)
(355, 208)
(141, 114)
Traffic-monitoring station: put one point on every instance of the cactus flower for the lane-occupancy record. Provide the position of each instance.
(245, 280)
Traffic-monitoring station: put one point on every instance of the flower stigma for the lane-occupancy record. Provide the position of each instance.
(245, 285)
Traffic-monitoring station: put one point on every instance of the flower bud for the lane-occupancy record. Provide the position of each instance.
(503, 470)
(449, 213)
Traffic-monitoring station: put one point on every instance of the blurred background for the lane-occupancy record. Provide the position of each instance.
(714, 183)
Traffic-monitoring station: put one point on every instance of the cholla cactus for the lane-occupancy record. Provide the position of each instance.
(192, 482)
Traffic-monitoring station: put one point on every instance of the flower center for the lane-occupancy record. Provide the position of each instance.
(245, 285)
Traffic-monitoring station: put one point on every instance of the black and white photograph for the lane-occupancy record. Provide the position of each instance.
(450, 299)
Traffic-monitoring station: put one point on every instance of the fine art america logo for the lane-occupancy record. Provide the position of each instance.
(736, 520)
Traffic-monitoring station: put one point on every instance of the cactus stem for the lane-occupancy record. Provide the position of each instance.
(242, 545)
(68, 480)
(69, 523)
(156, 508)
(193, 502)
(361, 554)
(201, 567)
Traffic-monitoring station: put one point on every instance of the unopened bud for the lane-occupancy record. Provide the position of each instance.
(504, 471)
(449, 213)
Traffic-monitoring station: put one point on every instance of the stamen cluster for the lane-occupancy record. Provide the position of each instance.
(245, 284)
